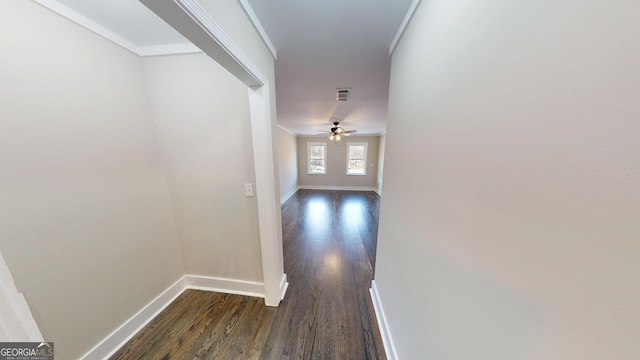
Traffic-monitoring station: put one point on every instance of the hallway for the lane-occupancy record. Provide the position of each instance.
(329, 252)
(329, 249)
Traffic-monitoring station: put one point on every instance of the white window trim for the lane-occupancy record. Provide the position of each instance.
(309, 145)
(364, 165)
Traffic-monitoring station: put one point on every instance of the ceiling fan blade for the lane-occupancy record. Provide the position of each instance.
(348, 131)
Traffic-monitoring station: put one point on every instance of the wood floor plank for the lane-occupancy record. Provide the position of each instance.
(329, 241)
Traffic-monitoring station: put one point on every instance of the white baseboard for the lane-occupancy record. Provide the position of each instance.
(229, 286)
(387, 341)
(338, 188)
(289, 194)
(379, 192)
(322, 187)
(283, 286)
(120, 336)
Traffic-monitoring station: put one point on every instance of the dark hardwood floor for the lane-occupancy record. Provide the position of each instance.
(204, 325)
(329, 240)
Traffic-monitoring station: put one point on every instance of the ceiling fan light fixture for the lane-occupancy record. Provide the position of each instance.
(336, 132)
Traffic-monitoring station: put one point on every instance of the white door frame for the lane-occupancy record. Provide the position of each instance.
(195, 24)
(16, 321)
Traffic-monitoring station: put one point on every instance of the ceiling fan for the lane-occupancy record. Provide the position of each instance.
(336, 132)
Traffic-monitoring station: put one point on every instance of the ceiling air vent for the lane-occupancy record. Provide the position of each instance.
(342, 94)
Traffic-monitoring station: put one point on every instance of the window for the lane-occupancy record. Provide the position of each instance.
(317, 157)
(357, 158)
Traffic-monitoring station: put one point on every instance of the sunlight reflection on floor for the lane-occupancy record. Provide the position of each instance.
(318, 219)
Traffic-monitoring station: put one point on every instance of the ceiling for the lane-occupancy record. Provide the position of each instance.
(324, 45)
(320, 45)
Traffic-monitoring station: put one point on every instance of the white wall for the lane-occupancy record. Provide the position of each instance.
(336, 167)
(201, 113)
(288, 162)
(86, 225)
(509, 224)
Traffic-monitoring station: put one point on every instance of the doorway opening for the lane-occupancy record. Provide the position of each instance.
(195, 24)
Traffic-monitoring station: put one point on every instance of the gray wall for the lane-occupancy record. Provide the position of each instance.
(201, 116)
(337, 163)
(86, 223)
(288, 162)
(380, 175)
(113, 167)
(509, 223)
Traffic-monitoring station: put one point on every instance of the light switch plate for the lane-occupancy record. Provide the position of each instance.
(248, 190)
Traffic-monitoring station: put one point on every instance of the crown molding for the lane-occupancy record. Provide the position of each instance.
(258, 25)
(346, 137)
(76, 17)
(170, 49)
(249, 73)
(403, 25)
(287, 130)
(87, 23)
